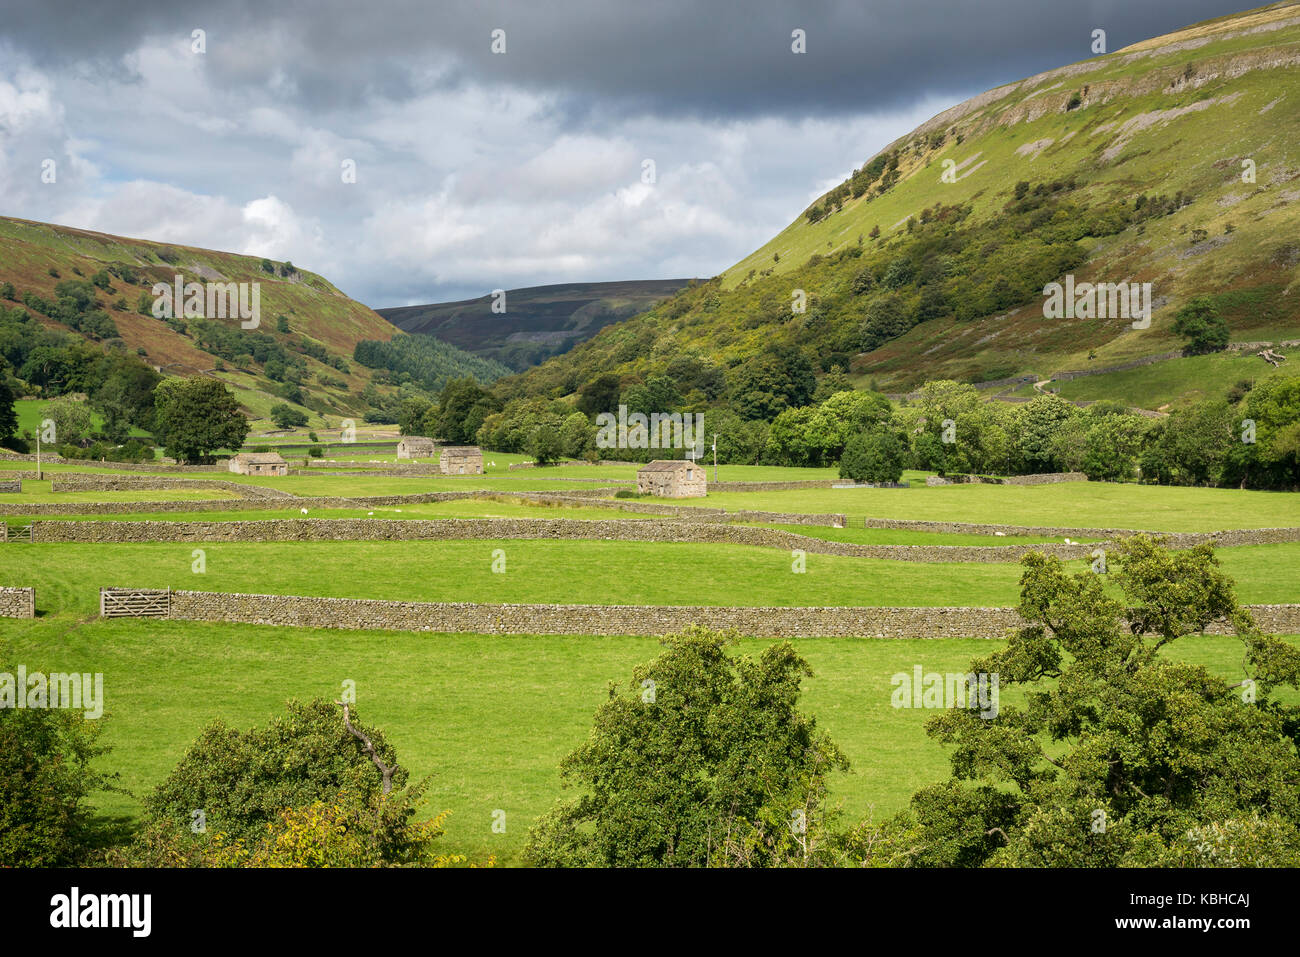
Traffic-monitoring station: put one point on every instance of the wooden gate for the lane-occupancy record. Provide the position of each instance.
(134, 602)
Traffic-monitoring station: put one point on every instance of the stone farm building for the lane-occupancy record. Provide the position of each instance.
(259, 463)
(413, 446)
(672, 479)
(461, 460)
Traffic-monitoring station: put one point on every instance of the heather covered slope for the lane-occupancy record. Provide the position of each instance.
(306, 338)
(1174, 162)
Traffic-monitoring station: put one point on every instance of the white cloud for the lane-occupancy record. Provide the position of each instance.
(460, 188)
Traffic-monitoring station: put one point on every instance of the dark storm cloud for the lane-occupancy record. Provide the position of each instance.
(668, 57)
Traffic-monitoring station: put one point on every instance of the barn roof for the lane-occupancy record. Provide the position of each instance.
(665, 465)
(464, 449)
(260, 458)
(420, 440)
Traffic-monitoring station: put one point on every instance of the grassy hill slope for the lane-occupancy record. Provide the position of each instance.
(1175, 161)
(323, 325)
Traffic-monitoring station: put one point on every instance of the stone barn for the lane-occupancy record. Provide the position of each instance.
(672, 479)
(461, 460)
(259, 463)
(416, 446)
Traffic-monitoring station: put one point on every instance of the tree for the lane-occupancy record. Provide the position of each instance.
(8, 413)
(1191, 446)
(198, 416)
(462, 407)
(286, 416)
(705, 760)
(72, 421)
(577, 437)
(1038, 422)
(46, 775)
(314, 787)
(1121, 753)
(778, 379)
(875, 457)
(886, 317)
(1201, 325)
(1271, 418)
(600, 395)
(544, 445)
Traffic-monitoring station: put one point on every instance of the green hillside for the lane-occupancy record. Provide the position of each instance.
(301, 351)
(1174, 162)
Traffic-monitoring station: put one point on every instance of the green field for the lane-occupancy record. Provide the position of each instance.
(1192, 378)
(1067, 504)
(489, 717)
(67, 577)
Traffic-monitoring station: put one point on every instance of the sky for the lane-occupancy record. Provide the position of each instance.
(417, 152)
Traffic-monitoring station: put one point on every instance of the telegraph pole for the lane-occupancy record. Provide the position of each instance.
(715, 456)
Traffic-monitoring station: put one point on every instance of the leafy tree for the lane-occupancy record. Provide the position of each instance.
(545, 445)
(816, 435)
(72, 421)
(286, 416)
(1121, 753)
(462, 408)
(46, 775)
(600, 395)
(1191, 446)
(314, 787)
(875, 457)
(1201, 325)
(577, 437)
(1038, 422)
(8, 413)
(197, 416)
(1112, 445)
(780, 378)
(740, 442)
(705, 760)
(886, 318)
(1271, 416)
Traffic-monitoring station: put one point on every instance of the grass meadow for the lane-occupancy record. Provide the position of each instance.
(489, 717)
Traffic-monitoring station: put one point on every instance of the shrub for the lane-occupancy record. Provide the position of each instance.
(874, 457)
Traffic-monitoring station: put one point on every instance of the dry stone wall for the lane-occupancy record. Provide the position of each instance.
(17, 602)
(474, 529)
(49, 458)
(528, 619)
(234, 504)
(590, 619)
(91, 482)
(1043, 478)
(1223, 538)
(14, 486)
(689, 513)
